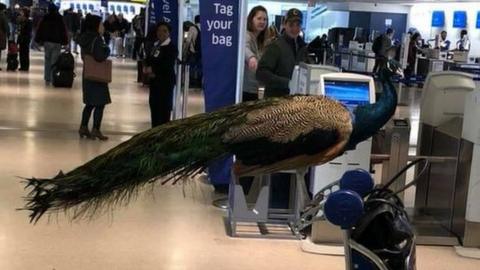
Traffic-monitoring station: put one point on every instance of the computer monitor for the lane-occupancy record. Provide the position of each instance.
(350, 89)
(351, 94)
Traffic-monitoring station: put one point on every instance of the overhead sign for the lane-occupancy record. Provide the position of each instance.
(459, 19)
(478, 20)
(438, 19)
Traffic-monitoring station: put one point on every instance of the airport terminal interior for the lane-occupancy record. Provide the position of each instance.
(329, 216)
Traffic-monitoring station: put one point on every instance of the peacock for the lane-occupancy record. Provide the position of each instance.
(265, 136)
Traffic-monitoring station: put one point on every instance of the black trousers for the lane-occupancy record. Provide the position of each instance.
(249, 96)
(24, 51)
(97, 115)
(136, 47)
(161, 101)
(380, 61)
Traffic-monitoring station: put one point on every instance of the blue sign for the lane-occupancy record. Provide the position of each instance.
(438, 19)
(167, 11)
(459, 19)
(478, 20)
(219, 24)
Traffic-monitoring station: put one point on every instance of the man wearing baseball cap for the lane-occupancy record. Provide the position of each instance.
(275, 72)
(276, 65)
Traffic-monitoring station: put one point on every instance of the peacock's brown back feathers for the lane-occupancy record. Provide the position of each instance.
(290, 118)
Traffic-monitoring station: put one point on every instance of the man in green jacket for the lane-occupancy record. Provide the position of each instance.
(276, 66)
(275, 72)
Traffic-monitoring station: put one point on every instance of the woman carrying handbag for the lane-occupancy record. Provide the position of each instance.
(95, 89)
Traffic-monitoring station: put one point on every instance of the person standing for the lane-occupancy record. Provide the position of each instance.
(24, 38)
(444, 43)
(275, 71)
(255, 43)
(4, 29)
(464, 43)
(78, 20)
(69, 19)
(412, 56)
(123, 29)
(138, 25)
(193, 52)
(111, 31)
(52, 35)
(160, 64)
(380, 47)
(95, 94)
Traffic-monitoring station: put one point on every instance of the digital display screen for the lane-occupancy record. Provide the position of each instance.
(438, 19)
(459, 19)
(350, 93)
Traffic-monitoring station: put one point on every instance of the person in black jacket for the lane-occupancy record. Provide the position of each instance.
(161, 65)
(275, 70)
(52, 34)
(111, 29)
(138, 25)
(95, 94)
(123, 28)
(276, 67)
(24, 38)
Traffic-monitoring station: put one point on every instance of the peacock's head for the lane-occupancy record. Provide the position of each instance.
(392, 68)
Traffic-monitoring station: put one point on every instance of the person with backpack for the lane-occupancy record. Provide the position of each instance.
(52, 34)
(380, 46)
(194, 52)
(24, 38)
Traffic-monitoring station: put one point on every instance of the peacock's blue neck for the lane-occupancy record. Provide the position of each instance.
(370, 118)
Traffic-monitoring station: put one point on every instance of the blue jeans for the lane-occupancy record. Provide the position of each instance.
(52, 51)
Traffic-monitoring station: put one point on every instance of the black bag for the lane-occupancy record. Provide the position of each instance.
(65, 61)
(62, 78)
(377, 44)
(386, 230)
(12, 61)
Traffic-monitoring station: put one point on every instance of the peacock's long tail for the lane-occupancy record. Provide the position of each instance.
(169, 152)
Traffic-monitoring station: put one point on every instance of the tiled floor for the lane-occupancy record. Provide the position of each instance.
(168, 228)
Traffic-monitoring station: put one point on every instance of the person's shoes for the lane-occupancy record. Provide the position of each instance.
(22, 69)
(98, 134)
(47, 83)
(85, 133)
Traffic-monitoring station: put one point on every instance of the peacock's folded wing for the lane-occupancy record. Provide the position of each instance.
(298, 131)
